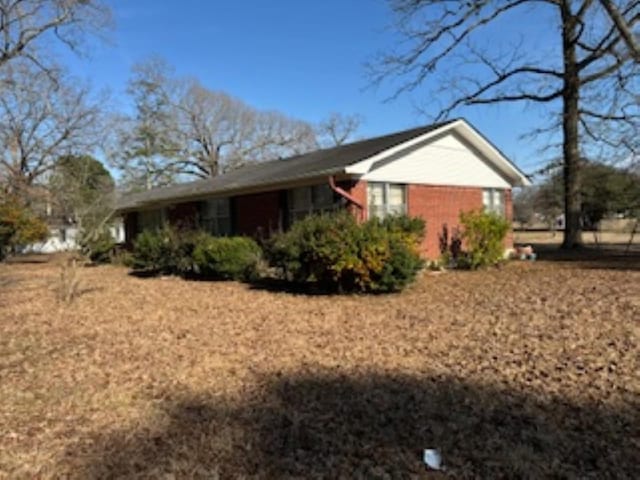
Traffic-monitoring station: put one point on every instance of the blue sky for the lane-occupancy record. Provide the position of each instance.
(305, 59)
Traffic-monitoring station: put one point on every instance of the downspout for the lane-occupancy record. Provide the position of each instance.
(350, 198)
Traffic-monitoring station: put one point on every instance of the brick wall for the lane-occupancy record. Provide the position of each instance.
(262, 213)
(358, 190)
(508, 205)
(257, 214)
(440, 206)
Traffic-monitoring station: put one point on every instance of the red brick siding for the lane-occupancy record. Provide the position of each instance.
(440, 206)
(183, 216)
(257, 214)
(508, 206)
(358, 190)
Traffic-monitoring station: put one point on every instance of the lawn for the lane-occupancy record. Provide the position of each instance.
(529, 371)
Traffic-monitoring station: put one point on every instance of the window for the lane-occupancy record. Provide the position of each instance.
(386, 199)
(304, 201)
(493, 200)
(215, 216)
(150, 219)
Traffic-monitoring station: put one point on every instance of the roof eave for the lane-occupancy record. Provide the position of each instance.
(290, 182)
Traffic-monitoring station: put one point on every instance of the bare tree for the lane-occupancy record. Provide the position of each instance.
(594, 79)
(623, 27)
(220, 132)
(145, 143)
(338, 129)
(26, 26)
(41, 121)
(181, 128)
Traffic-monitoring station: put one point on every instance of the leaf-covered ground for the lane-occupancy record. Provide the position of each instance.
(530, 371)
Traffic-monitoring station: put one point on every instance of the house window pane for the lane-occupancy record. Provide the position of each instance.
(396, 195)
(498, 199)
(150, 219)
(396, 209)
(215, 216)
(486, 199)
(223, 226)
(222, 208)
(386, 199)
(322, 197)
(376, 194)
(493, 200)
(307, 200)
(300, 199)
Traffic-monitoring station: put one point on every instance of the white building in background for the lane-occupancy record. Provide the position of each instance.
(64, 238)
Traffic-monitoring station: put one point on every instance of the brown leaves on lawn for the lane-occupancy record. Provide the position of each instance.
(527, 372)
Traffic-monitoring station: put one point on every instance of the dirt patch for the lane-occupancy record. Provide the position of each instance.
(529, 371)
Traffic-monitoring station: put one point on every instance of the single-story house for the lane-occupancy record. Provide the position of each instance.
(434, 172)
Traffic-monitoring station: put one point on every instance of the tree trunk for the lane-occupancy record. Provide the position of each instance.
(570, 118)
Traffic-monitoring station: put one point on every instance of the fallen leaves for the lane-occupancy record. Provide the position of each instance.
(525, 372)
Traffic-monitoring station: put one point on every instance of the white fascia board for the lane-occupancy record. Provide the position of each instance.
(517, 178)
(492, 154)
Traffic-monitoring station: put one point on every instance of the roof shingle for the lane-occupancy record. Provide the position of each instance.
(309, 165)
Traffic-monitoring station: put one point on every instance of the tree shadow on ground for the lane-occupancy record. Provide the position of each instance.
(371, 426)
(279, 285)
(608, 257)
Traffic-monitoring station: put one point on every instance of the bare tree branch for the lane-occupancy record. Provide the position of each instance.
(623, 28)
(41, 121)
(184, 129)
(26, 24)
(337, 129)
(593, 79)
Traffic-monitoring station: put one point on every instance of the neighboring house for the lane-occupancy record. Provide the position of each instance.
(63, 237)
(63, 231)
(433, 172)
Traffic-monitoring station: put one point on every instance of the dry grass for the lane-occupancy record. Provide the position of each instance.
(589, 238)
(527, 372)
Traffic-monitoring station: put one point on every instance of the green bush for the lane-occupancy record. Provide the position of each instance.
(192, 253)
(157, 251)
(229, 258)
(99, 248)
(121, 257)
(483, 235)
(339, 254)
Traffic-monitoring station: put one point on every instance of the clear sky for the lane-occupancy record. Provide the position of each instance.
(303, 58)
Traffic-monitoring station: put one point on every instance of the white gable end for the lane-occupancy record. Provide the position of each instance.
(443, 161)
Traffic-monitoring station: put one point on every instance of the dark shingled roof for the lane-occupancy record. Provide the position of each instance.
(328, 161)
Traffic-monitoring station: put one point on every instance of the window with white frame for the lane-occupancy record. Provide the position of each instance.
(386, 199)
(151, 219)
(304, 201)
(215, 216)
(493, 200)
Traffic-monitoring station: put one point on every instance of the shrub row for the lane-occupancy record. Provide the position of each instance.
(332, 251)
(339, 254)
(171, 252)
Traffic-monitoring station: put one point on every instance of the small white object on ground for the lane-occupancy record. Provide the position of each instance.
(432, 458)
